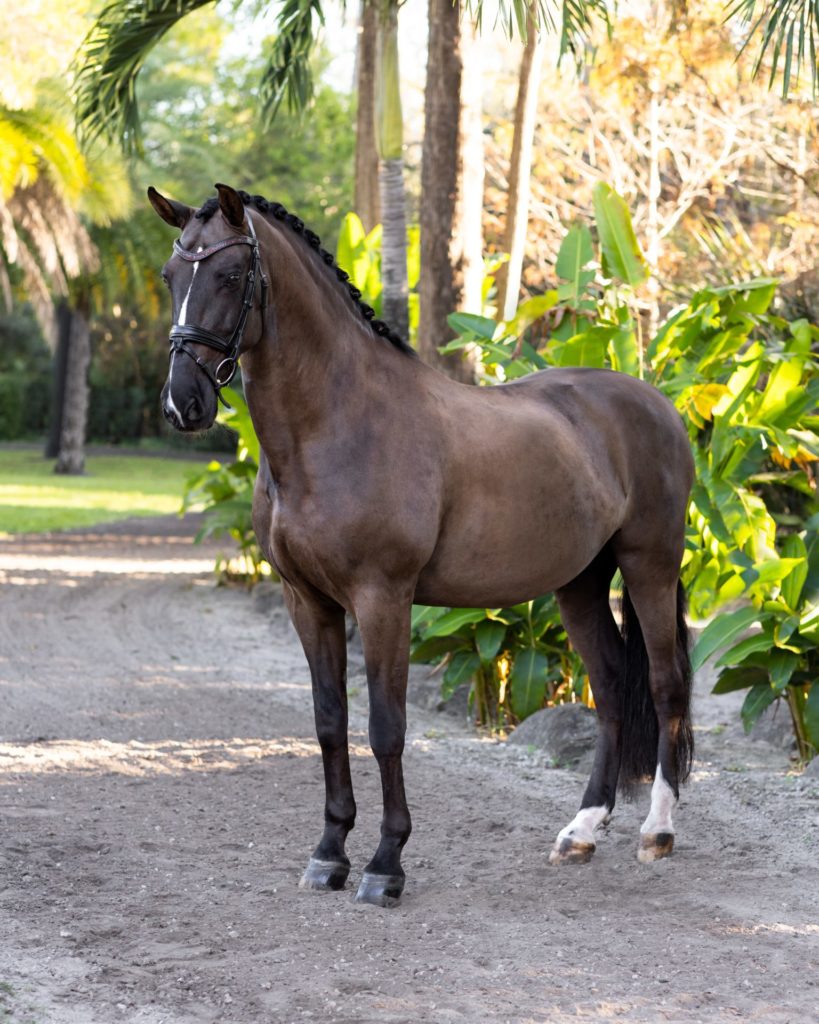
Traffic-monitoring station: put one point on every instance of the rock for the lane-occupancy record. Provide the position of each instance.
(565, 733)
(424, 689)
(812, 769)
(774, 726)
(266, 596)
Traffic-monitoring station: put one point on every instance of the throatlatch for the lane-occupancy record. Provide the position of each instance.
(181, 334)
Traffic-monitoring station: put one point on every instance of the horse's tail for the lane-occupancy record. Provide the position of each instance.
(640, 729)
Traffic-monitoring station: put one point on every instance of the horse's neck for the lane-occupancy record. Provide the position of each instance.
(314, 382)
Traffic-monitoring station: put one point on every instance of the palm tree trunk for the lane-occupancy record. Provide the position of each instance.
(390, 137)
(366, 151)
(517, 210)
(71, 458)
(472, 173)
(55, 429)
(441, 281)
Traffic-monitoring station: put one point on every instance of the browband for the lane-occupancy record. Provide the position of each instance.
(193, 257)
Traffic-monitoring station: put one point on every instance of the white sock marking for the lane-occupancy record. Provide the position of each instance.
(662, 804)
(581, 827)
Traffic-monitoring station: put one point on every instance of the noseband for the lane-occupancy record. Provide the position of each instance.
(182, 334)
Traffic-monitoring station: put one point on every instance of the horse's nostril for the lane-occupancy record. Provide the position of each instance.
(192, 411)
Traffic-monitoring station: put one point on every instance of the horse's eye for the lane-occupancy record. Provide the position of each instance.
(232, 279)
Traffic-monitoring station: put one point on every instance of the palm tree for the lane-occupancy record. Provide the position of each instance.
(115, 50)
(126, 30)
(45, 182)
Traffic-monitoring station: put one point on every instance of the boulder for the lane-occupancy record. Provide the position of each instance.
(424, 689)
(812, 769)
(774, 726)
(565, 733)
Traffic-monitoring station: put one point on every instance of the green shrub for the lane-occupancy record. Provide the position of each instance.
(225, 494)
(746, 384)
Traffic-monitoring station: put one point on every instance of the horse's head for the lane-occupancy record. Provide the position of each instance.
(218, 292)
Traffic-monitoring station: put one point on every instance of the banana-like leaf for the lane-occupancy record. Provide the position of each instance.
(759, 697)
(527, 681)
(720, 633)
(622, 257)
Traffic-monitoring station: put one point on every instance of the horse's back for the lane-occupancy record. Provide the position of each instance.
(543, 472)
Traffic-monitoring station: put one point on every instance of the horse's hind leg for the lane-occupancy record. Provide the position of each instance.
(321, 630)
(654, 610)
(587, 617)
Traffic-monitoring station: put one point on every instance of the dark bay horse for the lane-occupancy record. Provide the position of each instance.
(382, 482)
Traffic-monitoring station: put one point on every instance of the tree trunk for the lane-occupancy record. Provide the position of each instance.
(472, 173)
(441, 282)
(71, 458)
(390, 138)
(63, 321)
(520, 165)
(366, 151)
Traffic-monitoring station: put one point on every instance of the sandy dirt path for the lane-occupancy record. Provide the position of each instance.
(160, 792)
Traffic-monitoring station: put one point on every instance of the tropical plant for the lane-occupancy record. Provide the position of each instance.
(225, 494)
(516, 659)
(747, 385)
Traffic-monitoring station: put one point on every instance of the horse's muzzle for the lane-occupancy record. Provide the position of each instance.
(195, 413)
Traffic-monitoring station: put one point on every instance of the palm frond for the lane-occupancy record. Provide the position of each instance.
(577, 20)
(36, 141)
(288, 75)
(788, 34)
(574, 19)
(109, 61)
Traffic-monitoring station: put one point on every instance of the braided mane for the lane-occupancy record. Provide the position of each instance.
(378, 327)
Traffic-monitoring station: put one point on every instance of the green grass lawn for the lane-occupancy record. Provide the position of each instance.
(34, 499)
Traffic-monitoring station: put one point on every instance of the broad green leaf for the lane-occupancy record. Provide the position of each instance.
(587, 349)
(626, 353)
(351, 252)
(736, 655)
(527, 681)
(809, 622)
(454, 620)
(794, 547)
(759, 697)
(413, 255)
(436, 647)
(811, 715)
(462, 667)
(481, 327)
(489, 637)
(423, 613)
(622, 257)
(576, 251)
(781, 666)
(720, 633)
(741, 678)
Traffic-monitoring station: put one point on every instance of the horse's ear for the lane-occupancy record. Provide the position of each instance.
(173, 213)
(231, 205)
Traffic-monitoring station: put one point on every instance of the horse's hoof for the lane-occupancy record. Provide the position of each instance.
(571, 851)
(380, 890)
(324, 875)
(655, 846)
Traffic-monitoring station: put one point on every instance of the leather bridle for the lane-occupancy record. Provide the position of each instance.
(182, 334)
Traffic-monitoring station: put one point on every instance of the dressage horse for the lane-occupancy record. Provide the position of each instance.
(382, 483)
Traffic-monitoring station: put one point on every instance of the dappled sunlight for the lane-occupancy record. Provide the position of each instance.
(139, 758)
(90, 565)
(773, 928)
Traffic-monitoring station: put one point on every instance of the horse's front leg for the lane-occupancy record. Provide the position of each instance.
(384, 623)
(320, 626)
